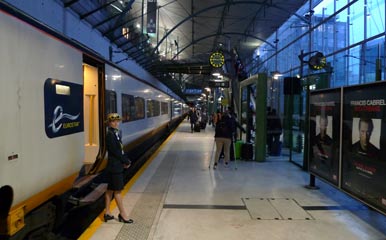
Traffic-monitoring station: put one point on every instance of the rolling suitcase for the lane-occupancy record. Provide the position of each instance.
(247, 151)
(276, 149)
(197, 127)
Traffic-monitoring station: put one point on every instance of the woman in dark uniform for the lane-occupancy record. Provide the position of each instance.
(117, 162)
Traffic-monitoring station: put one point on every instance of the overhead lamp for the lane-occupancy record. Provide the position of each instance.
(276, 74)
(217, 74)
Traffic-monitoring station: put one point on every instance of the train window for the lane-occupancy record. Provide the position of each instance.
(128, 108)
(176, 109)
(164, 108)
(153, 108)
(110, 102)
(133, 108)
(139, 108)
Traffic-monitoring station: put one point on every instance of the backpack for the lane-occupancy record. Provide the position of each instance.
(222, 129)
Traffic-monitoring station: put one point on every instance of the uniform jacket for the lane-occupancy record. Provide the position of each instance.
(117, 159)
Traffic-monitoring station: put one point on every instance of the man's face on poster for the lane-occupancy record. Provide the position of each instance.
(323, 124)
(365, 130)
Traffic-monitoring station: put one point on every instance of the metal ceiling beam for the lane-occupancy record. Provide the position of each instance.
(221, 23)
(225, 33)
(119, 25)
(254, 18)
(105, 21)
(130, 20)
(67, 4)
(221, 5)
(131, 32)
(97, 9)
(133, 45)
(124, 11)
(132, 39)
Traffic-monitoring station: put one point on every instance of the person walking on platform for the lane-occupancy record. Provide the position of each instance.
(223, 138)
(193, 119)
(235, 125)
(274, 130)
(116, 164)
(216, 117)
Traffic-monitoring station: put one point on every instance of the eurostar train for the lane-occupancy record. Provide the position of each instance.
(55, 96)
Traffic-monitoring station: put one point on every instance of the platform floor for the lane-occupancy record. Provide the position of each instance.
(177, 196)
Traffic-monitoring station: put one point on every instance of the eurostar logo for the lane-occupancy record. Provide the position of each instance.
(58, 116)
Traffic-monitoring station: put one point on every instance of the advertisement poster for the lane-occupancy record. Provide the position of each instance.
(325, 134)
(364, 149)
(151, 16)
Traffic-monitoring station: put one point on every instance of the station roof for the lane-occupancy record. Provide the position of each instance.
(191, 29)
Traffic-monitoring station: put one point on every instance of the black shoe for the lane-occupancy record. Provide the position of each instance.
(107, 217)
(121, 219)
(215, 166)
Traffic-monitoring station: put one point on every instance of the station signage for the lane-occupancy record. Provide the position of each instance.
(193, 91)
(223, 84)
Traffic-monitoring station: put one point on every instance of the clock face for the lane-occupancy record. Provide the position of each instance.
(317, 62)
(217, 59)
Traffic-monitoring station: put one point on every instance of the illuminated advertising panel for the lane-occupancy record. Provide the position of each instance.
(363, 143)
(325, 134)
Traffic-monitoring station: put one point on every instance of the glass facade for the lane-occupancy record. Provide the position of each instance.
(349, 33)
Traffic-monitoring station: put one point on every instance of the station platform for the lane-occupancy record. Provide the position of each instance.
(177, 196)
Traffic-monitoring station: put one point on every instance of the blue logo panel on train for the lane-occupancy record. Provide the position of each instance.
(63, 108)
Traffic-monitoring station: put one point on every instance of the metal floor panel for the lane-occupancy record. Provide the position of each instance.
(275, 209)
(261, 209)
(289, 209)
(147, 206)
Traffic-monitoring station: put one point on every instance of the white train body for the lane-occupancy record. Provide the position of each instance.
(32, 160)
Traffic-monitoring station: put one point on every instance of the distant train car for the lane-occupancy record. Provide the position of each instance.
(55, 96)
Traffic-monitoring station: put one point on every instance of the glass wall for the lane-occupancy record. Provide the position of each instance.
(350, 34)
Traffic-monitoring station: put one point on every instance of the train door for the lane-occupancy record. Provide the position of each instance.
(92, 128)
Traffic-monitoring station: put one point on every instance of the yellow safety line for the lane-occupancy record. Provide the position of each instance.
(89, 232)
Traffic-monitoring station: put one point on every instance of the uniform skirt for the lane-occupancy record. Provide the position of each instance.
(115, 181)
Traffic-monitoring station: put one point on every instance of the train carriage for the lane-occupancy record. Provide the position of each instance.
(55, 95)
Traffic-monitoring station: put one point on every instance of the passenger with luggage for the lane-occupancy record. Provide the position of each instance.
(274, 130)
(193, 119)
(235, 125)
(223, 138)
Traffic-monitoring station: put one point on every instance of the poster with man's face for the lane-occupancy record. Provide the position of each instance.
(363, 143)
(324, 134)
(323, 125)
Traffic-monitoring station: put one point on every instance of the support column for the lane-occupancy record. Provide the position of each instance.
(261, 117)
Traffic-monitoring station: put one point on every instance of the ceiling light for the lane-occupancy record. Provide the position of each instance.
(116, 7)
